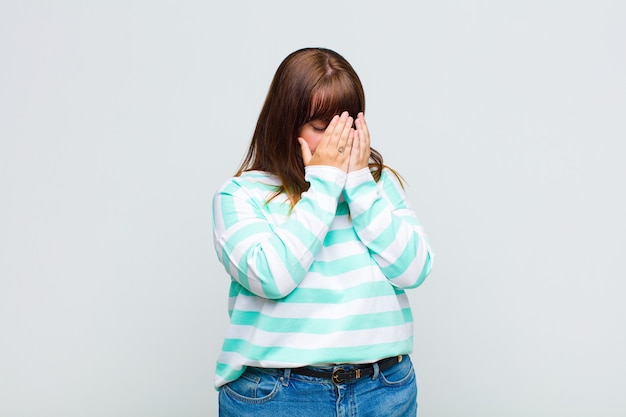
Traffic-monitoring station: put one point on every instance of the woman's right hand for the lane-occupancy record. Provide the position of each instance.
(334, 147)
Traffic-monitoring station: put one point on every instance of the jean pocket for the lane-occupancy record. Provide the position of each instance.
(253, 388)
(399, 374)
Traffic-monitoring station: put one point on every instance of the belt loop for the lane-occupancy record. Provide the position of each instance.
(285, 378)
(376, 371)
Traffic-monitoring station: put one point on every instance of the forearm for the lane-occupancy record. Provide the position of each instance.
(389, 228)
(270, 260)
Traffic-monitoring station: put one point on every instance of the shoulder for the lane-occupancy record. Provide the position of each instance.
(251, 185)
(392, 187)
(251, 180)
(390, 177)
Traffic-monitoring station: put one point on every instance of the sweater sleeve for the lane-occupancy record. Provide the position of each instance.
(267, 259)
(386, 224)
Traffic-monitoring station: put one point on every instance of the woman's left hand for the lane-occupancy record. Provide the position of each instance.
(360, 153)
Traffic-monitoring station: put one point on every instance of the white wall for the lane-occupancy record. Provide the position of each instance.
(118, 121)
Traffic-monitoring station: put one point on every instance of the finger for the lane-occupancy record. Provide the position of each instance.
(336, 133)
(328, 132)
(306, 151)
(361, 125)
(350, 142)
(348, 150)
(355, 151)
(361, 151)
(333, 123)
(346, 131)
(342, 131)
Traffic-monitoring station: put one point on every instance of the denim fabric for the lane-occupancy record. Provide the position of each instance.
(280, 393)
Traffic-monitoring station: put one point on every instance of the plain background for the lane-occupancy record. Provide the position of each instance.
(119, 119)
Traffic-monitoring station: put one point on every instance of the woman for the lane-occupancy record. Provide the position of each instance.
(320, 243)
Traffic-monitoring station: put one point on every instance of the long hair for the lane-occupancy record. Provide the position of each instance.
(310, 84)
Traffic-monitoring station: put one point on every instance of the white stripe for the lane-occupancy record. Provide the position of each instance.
(313, 310)
(379, 224)
(339, 251)
(308, 220)
(218, 218)
(391, 253)
(341, 282)
(237, 361)
(325, 201)
(298, 249)
(354, 338)
(341, 222)
(415, 268)
(279, 274)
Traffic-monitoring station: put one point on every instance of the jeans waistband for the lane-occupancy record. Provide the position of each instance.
(340, 375)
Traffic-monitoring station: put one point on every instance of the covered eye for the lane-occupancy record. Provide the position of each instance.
(319, 125)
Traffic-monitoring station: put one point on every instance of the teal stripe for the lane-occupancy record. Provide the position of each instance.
(342, 209)
(304, 234)
(242, 272)
(399, 291)
(226, 369)
(242, 290)
(268, 284)
(323, 355)
(289, 261)
(311, 206)
(231, 188)
(261, 180)
(250, 184)
(234, 289)
(359, 191)
(385, 239)
(275, 207)
(403, 262)
(334, 237)
(245, 233)
(391, 190)
(325, 187)
(411, 220)
(229, 246)
(424, 274)
(331, 296)
(342, 265)
(370, 321)
(364, 219)
(229, 212)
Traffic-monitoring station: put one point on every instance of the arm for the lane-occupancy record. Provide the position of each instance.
(271, 260)
(383, 219)
(268, 259)
(385, 223)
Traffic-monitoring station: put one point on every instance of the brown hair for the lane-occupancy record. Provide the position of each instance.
(310, 84)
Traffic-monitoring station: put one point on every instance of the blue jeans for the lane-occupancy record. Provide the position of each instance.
(281, 393)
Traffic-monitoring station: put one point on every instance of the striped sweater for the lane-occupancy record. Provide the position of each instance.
(320, 283)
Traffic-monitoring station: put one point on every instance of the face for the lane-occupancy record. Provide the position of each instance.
(312, 133)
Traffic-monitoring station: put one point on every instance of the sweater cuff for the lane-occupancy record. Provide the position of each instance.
(329, 180)
(356, 178)
(360, 190)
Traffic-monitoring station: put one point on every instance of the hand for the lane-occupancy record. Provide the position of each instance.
(360, 155)
(335, 145)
